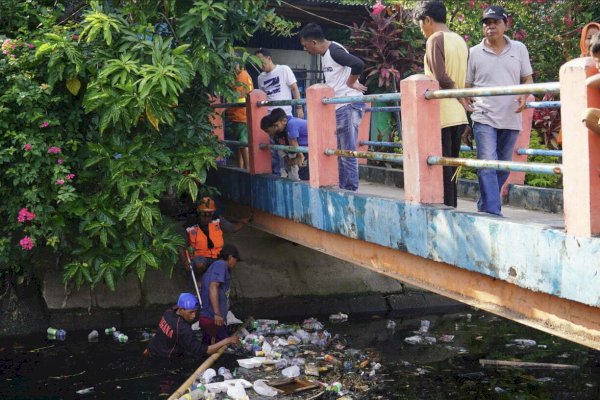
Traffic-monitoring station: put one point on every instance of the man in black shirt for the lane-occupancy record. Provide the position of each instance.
(174, 337)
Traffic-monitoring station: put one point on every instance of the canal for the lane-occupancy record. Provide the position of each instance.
(35, 367)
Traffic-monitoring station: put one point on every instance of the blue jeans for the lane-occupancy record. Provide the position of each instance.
(348, 119)
(492, 144)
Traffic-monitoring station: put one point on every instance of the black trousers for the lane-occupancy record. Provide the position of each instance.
(451, 138)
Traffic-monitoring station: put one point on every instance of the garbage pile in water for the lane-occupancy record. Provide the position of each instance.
(292, 361)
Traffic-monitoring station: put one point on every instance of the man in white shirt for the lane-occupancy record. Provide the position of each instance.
(278, 82)
(341, 70)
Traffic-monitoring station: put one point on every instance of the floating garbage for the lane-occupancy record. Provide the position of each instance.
(253, 362)
(446, 338)
(424, 326)
(223, 387)
(208, 375)
(93, 336)
(525, 342)
(110, 331)
(261, 388)
(86, 390)
(338, 317)
(391, 325)
(237, 392)
(59, 334)
(291, 372)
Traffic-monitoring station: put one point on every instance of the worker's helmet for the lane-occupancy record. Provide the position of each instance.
(187, 301)
(206, 205)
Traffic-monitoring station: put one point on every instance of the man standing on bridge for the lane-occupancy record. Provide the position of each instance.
(496, 61)
(341, 70)
(446, 61)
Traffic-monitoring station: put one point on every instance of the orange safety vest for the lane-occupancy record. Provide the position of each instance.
(199, 241)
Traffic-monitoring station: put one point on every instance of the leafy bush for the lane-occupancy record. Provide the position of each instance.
(102, 109)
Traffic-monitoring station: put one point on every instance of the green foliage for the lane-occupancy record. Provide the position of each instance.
(102, 117)
(542, 180)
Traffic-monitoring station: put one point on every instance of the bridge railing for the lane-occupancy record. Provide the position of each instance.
(421, 160)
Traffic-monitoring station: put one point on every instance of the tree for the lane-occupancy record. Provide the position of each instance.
(103, 108)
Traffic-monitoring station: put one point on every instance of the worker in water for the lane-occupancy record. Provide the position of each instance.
(205, 239)
(216, 285)
(174, 337)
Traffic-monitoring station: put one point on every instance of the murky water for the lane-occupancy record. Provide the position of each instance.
(34, 367)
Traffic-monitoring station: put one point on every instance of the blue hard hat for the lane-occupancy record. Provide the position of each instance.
(187, 301)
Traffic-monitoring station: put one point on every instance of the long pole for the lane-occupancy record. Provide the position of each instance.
(187, 254)
(203, 367)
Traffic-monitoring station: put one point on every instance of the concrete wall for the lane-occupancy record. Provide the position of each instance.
(277, 278)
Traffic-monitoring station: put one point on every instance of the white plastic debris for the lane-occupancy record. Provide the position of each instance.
(338, 317)
(85, 391)
(232, 319)
(223, 387)
(414, 339)
(391, 324)
(291, 372)
(446, 338)
(260, 387)
(525, 342)
(208, 375)
(253, 362)
(237, 392)
(424, 326)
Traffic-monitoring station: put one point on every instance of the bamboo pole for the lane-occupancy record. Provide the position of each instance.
(523, 364)
(203, 367)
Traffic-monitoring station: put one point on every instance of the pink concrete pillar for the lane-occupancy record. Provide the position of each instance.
(216, 118)
(260, 160)
(581, 150)
(518, 178)
(321, 135)
(363, 134)
(421, 137)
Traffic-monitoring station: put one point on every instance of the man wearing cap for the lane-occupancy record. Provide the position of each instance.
(205, 239)
(496, 61)
(216, 284)
(174, 337)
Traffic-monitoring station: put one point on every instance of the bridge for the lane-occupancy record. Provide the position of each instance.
(535, 268)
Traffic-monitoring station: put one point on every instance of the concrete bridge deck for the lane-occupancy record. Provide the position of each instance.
(511, 213)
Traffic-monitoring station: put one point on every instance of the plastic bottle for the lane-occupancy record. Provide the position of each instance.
(208, 375)
(225, 373)
(58, 333)
(122, 338)
(109, 331)
(116, 334)
(93, 335)
(146, 335)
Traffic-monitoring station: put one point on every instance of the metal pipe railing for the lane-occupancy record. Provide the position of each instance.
(362, 99)
(537, 168)
(394, 145)
(382, 109)
(542, 104)
(278, 103)
(532, 88)
(539, 152)
(290, 149)
(369, 155)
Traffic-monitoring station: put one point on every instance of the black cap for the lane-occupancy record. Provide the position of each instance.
(494, 12)
(230, 250)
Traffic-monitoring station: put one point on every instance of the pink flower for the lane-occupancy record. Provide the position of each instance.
(54, 150)
(472, 4)
(520, 35)
(26, 243)
(60, 182)
(25, 215)
(27, 147)
(378, 8)
(568, 21)
(44, 124)
(467, 37)
(59, 161)
(70, 177)
(460, 18)
(31, 46)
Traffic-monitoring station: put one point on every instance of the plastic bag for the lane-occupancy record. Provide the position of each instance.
(237, 392)
(291, 372)
(260, 387)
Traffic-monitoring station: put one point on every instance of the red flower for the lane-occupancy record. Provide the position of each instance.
(27, 147)
(378, 8)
